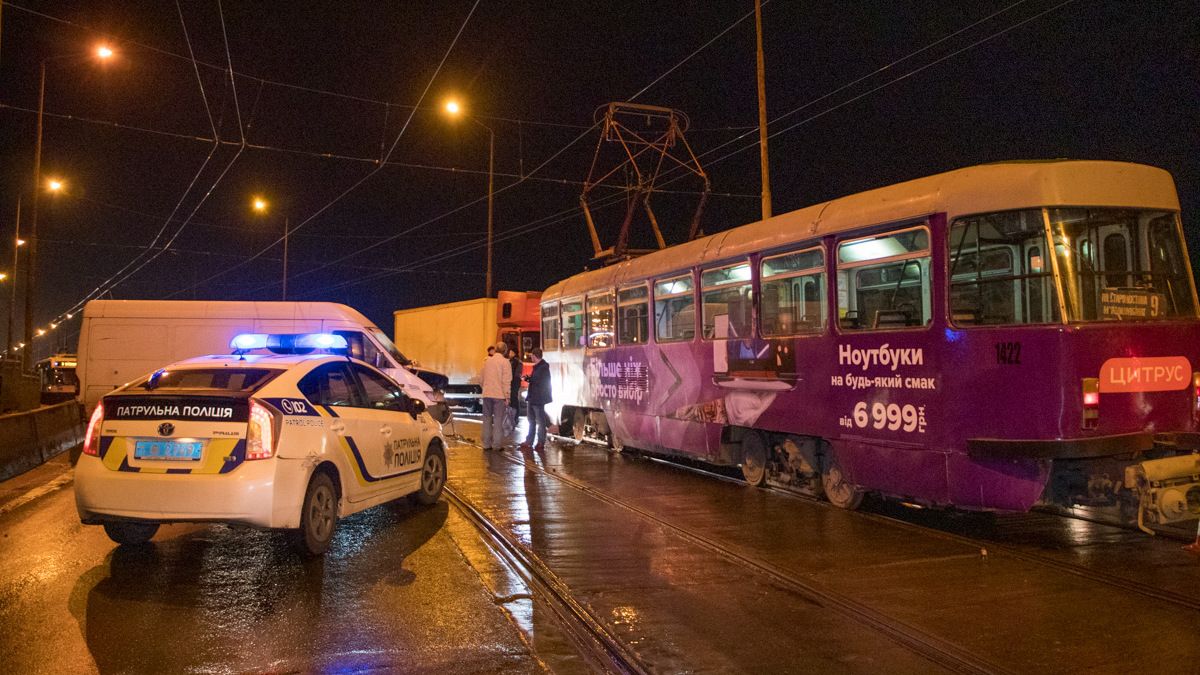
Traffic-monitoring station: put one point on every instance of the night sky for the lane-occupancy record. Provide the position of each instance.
(324, 90)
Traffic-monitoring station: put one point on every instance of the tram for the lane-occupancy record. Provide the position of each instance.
(56, 378)
(990, 338)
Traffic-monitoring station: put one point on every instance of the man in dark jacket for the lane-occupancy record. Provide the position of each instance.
(536, 400)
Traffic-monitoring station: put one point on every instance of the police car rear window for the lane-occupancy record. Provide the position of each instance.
(207, 379)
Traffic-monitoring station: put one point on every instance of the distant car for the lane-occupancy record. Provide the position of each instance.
(281, 434)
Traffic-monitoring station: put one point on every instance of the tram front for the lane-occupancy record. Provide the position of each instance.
(1097, 364)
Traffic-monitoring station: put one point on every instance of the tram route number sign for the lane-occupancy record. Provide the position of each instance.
(891, 416)
(1131, 303)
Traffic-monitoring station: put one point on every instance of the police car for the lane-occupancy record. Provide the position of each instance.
(287, 432)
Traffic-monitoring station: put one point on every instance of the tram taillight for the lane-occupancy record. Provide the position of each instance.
(1091, 402)
(1196, 395)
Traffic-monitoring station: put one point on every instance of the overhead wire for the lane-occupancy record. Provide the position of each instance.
(374, 171)
(122, 274)
(609, 200)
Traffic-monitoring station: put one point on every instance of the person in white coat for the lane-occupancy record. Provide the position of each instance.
(496, 378)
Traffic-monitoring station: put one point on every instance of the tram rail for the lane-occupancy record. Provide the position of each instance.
(993, 547)
(585, 630)
(936, 650)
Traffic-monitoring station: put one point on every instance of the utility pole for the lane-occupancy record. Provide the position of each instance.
(12, 305)
(31, 262)
(285, 256)
(491, 200)
(762, 114)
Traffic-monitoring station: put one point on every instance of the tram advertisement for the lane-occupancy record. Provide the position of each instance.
(887, 383)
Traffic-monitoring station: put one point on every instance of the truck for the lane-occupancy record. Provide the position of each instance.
(120, 340)
(453, 338)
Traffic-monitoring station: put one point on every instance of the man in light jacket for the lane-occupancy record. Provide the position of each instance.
(496, 378)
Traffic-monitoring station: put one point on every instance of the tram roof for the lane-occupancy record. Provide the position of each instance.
(977, 189)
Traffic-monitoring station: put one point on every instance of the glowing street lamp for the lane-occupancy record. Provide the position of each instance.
(260, 206)
(102, 53)
(54, 185)
(455, 110)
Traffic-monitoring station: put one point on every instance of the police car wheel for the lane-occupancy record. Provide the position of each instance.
(433, 477)
(318, 515)
(130, 534)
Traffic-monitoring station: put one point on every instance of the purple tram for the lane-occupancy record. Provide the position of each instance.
(989, 338)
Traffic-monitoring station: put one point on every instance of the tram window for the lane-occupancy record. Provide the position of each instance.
(883, 281)
(572, 324)
(1103, 283)
(674, 309)
(550, 326)
(1167, 261)
(600, 320)
(998, 275)
(792, 299)
(1116, 260)
(633, 315)
(727, 298)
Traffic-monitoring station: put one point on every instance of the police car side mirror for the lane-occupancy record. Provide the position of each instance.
(416, 407)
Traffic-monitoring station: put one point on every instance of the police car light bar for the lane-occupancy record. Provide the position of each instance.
(247, 341)
(288, 343)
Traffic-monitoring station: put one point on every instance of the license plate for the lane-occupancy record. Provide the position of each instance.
(173, 450)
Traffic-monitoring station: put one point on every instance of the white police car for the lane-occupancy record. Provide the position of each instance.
(281, 434)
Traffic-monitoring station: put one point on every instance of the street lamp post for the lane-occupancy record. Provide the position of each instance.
(454, 109)
(104, 53)
(12, 303)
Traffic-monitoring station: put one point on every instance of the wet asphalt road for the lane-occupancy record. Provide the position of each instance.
(416, 590)
(402, 589)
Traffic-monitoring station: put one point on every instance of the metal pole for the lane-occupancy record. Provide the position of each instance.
(285, 256)
(491, 196)
(12, 304)
(762, 114)
(31, 264)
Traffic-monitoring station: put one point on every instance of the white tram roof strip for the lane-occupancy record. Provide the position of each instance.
(985, 188)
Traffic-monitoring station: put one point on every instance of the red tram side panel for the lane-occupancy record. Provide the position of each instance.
(987, 338)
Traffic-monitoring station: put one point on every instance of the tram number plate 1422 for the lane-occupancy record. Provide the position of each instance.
(891, 416)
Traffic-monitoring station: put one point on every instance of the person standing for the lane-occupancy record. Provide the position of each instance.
(496, 378)
(536, 400)
(514, 392)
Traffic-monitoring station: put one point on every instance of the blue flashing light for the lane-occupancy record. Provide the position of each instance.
(321, 341)
(247, 341)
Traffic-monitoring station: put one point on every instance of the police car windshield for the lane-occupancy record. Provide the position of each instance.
(207, 379)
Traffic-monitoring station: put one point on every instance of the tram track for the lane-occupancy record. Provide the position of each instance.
(993, 547)
(934, 649)
(1112, 580)
(585, 629)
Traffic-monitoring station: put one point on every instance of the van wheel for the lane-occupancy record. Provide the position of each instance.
(318, 516)
(754, 459)
(840, 493)
(433, 477)
(130, 534)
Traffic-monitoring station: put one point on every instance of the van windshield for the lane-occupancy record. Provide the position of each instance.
(206, 379)
(390, 347)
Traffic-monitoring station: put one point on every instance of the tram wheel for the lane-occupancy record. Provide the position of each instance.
(840, 493)
(754, 459)
(579, 425)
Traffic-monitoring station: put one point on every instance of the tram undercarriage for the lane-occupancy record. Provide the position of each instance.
(1160, 488)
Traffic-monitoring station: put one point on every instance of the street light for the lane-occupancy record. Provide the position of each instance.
(455, 109)
(260, 206)
(103, 53)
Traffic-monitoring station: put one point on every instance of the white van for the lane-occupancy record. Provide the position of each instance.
(121, 340)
